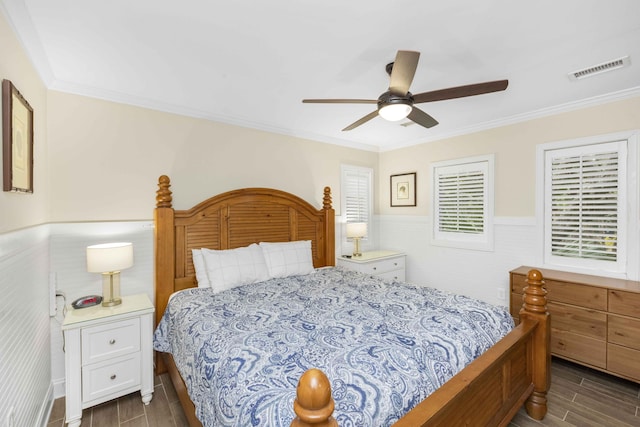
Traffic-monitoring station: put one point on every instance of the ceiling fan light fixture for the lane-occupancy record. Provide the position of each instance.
(395, 112)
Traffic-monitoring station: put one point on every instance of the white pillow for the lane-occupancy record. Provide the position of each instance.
(288, 258)
(201, 269)
(229, 268)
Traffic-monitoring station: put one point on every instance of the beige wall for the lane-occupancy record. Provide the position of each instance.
(24, 210)
(515, 150)
(105, 160)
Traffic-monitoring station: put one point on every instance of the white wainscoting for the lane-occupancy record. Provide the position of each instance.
(25, 363)
(479, 274)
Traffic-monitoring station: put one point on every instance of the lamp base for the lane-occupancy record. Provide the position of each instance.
(112, 302)
(356, 247)
(111, 289)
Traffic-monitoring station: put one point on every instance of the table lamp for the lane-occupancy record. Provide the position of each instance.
(356, 231)
(109, 259)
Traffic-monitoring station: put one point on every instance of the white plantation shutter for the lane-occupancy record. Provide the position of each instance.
(461, 200)
(585, 212)
(463, 203)
(357, 194)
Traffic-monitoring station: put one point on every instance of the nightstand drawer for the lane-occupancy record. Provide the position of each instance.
(388, 265)
(110, 340)
(111, 376)
(392, 275)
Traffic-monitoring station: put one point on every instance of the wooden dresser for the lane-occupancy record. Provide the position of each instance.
(595, 321)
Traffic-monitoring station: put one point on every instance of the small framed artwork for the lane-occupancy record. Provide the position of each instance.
(17, 141)
(403, 189)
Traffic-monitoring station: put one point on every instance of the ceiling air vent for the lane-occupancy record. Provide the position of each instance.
(600, 68)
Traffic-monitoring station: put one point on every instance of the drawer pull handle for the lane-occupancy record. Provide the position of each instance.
(395, 263)
(112, 341)
(113, 377)
(375, 268)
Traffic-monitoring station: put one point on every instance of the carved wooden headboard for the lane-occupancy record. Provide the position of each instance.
(230, 220)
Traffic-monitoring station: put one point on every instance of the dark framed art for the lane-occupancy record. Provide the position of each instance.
(403, 189)
(17, 140)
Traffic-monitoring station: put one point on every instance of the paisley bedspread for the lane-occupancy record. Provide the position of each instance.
(384, 346)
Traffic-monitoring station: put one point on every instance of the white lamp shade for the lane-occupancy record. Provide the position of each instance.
(395, 112)
(109, 257)
(356, 229)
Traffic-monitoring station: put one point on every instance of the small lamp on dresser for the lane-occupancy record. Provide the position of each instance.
(109, 259)
(356, 231)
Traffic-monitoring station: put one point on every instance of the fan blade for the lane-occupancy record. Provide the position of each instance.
(422, 118)
(461, 91)
(404, 68)
(340, 101)
(363, 120)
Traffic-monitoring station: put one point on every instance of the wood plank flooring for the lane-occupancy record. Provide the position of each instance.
(579, 396)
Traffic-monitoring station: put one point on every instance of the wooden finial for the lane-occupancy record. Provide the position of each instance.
(326, 200)
(534, 297)
(314, 404)
(163, 195)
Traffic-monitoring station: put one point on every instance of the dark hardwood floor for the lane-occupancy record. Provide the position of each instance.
(579, 396)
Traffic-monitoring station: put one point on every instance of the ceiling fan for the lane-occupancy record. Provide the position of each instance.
(397, 102)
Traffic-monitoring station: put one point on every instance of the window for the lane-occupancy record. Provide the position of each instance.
(588, 203)
(357, 194)
(463, 203)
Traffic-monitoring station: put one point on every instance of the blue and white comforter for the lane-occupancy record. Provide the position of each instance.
(384, 346)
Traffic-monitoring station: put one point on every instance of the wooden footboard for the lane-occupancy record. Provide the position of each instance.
(488, 392)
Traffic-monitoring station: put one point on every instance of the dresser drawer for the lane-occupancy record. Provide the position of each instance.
(573, 293)
(579, 348)
(518, 283)
(110, 340)
(111, 377)
(623, 302)
(624, 361)
(578, 320)
(624, 331)
(516, 305)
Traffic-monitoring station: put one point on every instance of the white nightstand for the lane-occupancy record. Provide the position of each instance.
(108, 353)
(384, 264)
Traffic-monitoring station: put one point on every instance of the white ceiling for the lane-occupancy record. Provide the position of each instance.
(250, 63)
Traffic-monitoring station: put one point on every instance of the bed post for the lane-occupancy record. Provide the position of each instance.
(534, 308)
(164, 245)
(314, 404)
(329, 228)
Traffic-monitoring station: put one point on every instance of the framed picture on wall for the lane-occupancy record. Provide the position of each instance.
(17, 141)
(403, 189)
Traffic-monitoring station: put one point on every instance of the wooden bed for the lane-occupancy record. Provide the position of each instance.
(488, 392)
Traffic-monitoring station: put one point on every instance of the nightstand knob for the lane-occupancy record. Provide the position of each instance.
(112, 341)
(375, 268)
(395, 263)
(113, 377)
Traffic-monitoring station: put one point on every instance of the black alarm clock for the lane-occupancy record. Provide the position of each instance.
(88, 301)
